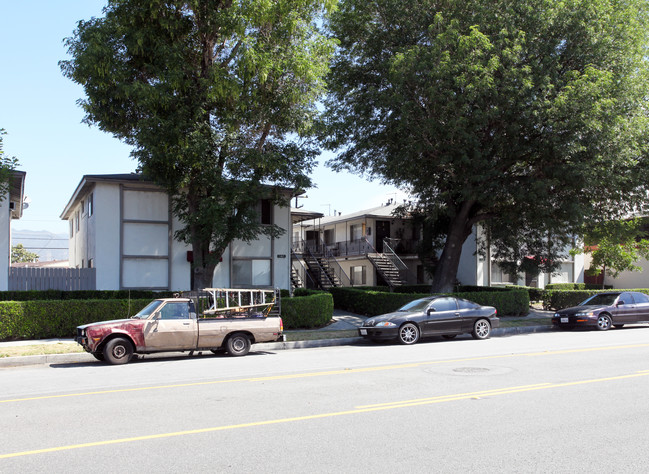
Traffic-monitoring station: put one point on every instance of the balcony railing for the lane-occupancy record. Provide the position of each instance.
(352, 247)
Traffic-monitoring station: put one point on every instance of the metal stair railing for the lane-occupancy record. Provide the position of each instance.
(392, 255)
(302, 273)
(337, 269)
(375, 262)
(321, 271)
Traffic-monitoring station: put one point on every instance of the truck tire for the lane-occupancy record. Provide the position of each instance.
(118, 351)
(238, 345)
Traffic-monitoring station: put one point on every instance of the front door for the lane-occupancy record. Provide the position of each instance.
(171, 328)
(382, 231)
(625, 311)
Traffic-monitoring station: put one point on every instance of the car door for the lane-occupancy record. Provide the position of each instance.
(641, 307)
(442, 317)
(625, 309)
(171, 328)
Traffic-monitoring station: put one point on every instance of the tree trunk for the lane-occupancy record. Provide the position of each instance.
(446, 270)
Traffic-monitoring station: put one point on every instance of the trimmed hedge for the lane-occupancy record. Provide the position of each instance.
(314, 310)
(557, 299)
(575, 286)
(38, 295)
(46, 319)
(371, 303)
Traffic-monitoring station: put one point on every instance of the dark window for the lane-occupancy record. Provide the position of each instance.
(266, 211)
(444, 304)
(90, 205)
(626, 298)
(466, 304)
(640, 298)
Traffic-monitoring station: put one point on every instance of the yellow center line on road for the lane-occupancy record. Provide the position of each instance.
(325, 373)
(358, 410)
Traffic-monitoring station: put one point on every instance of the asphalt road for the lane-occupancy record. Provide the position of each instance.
(547, 402)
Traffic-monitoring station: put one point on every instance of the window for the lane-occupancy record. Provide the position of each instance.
(500, 276)
(90, 204)
(72, 227)
(640, 298)
(247, 273)
(91, 263)
(357, 275)
(83, 207)
(266, 211)
(329, 237)
(76, 221)
(175, 311)
(444, 304)
(465, 304)
(356, 232)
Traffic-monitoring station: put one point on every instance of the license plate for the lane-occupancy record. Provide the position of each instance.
(363, 332)
(565, 320)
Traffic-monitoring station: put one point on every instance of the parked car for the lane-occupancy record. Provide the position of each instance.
(438, 315)
(603, 310)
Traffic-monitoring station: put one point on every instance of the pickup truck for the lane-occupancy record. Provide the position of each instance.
(173, 324)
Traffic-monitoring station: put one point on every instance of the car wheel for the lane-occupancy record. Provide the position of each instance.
(118, 351)
(408, 334)
(481, 329)
(238, 345)
(604, 322)
(98, 355)
(449, 336)
(618, 326)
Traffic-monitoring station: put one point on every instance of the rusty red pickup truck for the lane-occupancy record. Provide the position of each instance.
(230, 321)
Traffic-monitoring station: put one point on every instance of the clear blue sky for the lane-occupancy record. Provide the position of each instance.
(39, 112)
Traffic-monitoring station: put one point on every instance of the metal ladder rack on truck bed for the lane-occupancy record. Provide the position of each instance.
(237, 303)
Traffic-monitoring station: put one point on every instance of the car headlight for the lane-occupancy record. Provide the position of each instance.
(556, 315)
(585, 313)
(386, 324)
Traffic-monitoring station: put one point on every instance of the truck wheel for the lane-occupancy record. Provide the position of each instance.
(118, 351)
(238, 345)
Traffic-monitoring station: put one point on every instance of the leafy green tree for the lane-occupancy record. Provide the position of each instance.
(217, 98)
(616, 246)
(527, 117)
(21, 254)
(7, 165)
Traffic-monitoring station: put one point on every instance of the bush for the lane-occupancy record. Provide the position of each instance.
(46, 319)
(371, 303)
(575, 286)
(557, 299)
(311, 311)
(34, 295)
(535, 294)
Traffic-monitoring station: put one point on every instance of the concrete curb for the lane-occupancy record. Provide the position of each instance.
(82, 357)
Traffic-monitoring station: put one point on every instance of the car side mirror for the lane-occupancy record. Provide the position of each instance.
(430, 311)
(620, 303)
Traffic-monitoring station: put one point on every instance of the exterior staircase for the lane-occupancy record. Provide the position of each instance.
(321, 272)
(386, 268)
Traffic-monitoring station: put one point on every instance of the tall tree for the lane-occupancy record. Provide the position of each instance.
(7, 165)
(217, 98)
(525, 116)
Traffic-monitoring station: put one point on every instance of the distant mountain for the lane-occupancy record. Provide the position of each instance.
(47, 245)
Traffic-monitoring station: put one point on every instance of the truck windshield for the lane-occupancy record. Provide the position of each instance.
(147, 310)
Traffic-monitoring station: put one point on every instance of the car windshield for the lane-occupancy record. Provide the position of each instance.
(147, 310)
(606, 299)
(417, 305)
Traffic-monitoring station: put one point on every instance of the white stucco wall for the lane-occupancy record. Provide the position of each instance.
(5, 242)
(104, 243)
